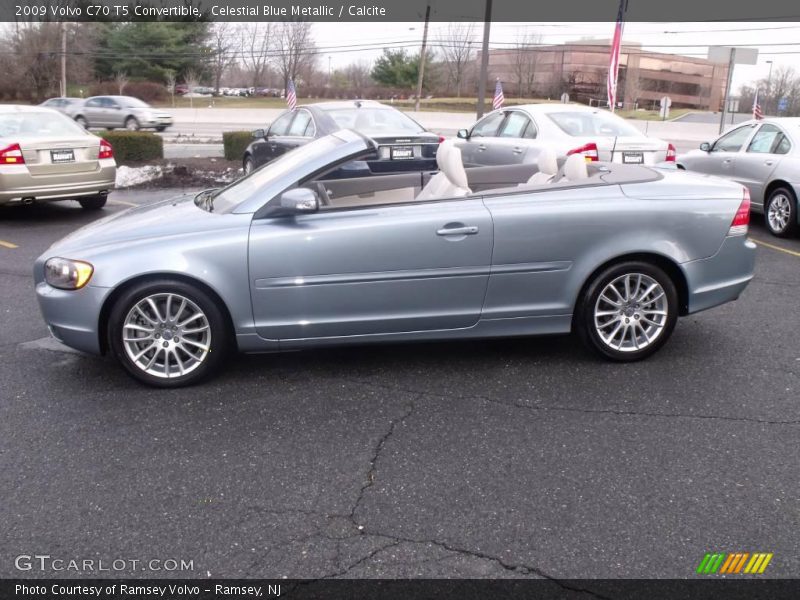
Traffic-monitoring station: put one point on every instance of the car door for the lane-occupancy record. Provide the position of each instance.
(516, 140)
(477, 149)
(276, 139)
(755, 165)
(301, 130)
(113, 115)
(370, 270)
(721, 158)
(93, 111)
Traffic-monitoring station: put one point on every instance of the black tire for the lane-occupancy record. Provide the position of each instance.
(585, 320)
(161, 128)
(248, 165)
(132, 124)
(780, 207)
(93, 203)
(81, 120)
(110, 128)
(220, 341)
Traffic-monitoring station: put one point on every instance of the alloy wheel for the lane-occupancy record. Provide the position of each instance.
(779, 212)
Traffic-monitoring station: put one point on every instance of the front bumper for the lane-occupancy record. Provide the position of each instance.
(720, 278)
(73, 316)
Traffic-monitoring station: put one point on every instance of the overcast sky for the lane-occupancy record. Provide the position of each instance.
(776, 41)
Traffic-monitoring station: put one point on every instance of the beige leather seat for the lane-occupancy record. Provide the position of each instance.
(575, 168)
(548, 167)
(451, 180)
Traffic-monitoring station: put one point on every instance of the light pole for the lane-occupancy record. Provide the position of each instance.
(422, 56)
(769, 87)
(487, 22)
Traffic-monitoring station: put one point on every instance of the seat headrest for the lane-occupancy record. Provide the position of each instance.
(575, 168)
(454, 168)
(442, 152)
(547, 161)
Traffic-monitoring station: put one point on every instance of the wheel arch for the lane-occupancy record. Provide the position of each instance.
(665, 263)
(772, 186)
(111, 299)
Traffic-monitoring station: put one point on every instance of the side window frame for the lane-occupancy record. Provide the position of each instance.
(746, 142)
(504, 124)
(290, 115)
(503, 116)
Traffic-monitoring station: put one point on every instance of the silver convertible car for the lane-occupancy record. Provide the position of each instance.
(286, 258)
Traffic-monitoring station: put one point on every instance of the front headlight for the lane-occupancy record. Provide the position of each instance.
(67, 274)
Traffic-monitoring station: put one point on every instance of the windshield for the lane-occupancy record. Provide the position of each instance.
(133, 103)
(584, 124)
(245, 188)
(38, 124)
(374, 121)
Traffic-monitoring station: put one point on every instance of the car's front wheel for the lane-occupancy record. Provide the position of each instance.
(628, 311)
(93, 203)
(780, 211)
(168, 333)
(248, 165)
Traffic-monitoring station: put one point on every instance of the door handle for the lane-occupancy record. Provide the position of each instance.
(469, 230)
(517, 150)
(769, 163)
(481, 148)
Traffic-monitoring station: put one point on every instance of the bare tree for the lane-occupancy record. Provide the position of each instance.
(634, 86)
(192, 79)
(357, 74)
(456, 47)
(294, 49)
(171, 80)
(525, 59)
(121, 79)
(257, 40)
(222, 48)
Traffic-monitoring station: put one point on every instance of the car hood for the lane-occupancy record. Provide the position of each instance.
(172, 217)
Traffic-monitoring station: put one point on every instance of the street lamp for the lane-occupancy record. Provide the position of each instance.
(769, 86)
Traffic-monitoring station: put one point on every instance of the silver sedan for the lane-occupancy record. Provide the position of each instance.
(287, 258)
(764, 156)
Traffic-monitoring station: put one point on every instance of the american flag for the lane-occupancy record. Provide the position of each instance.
(613, 63)
(291, 95)
(497, 101)
(757, 114)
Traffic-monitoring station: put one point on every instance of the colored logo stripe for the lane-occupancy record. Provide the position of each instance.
(734, 562)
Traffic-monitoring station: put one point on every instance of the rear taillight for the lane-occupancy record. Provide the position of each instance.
(742, 217)
(106, 151)
(442, 138)
(671, 154)
(12, 155)
(589, 152)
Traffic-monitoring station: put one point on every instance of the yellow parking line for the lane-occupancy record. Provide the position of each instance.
(122, 202)
(774, 247)
(6, 244)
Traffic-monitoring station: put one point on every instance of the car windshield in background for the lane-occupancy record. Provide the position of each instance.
(38, 124)
(374, 121)
(243, 189)
(584, 124)
(133, 103)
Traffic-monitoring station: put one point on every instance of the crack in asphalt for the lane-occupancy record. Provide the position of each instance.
(371, 472)
(611, 411)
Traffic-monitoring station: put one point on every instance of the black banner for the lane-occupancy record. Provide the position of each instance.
(395, 10)
(377, 589)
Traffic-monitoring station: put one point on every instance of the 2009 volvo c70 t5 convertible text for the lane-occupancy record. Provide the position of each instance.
(287, 258)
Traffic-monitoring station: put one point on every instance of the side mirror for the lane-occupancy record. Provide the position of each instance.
(299, 201)
(705, 147)
(259, 133)
(463, 134)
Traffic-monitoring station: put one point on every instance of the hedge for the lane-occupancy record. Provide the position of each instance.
(234, 143)
(134, 146)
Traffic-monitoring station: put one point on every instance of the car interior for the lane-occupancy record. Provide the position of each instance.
(453, 180)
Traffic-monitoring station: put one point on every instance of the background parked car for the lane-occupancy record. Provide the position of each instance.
(45, 155)
(516, 135)
(120, 111)
(63, 105)
(404, 144)
(764, 156)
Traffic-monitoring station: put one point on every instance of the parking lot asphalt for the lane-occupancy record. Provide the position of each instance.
(504, 458)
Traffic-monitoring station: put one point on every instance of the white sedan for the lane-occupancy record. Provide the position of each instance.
(518, 133)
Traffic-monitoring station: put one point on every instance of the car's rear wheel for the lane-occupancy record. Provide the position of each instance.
(82, 122)
(248, 165)
(628, 311)
(93, 203)
(161, 128)
(168, 333)
(132, 124)
(780, 212)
